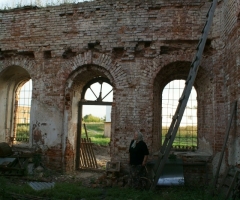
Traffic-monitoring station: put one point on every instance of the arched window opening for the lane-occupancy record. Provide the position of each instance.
(23, 99)
(99, 91)
(186, 138)
(96, 106)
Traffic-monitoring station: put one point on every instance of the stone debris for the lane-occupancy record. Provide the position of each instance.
(41, 185)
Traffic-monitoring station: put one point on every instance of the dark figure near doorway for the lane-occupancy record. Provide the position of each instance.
(138, 155)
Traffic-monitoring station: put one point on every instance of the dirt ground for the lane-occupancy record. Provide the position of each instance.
(102, 154)
(88, 177)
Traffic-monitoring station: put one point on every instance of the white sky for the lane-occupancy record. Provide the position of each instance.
(20, 3)
(170, 100)
(99, 111)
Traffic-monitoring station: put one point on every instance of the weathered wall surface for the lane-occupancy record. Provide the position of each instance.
(139, 46)
(230, 35)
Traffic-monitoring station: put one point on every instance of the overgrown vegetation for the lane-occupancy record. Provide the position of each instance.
(91, 118)
(95, 131)
(77, 190)
(186, 137)
(22, 133)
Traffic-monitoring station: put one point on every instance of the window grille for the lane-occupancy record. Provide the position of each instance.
(186, 138)
(22, 111)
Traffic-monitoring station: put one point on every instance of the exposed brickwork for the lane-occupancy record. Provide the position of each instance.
(139, 46)
(69, 157)
(53, 158)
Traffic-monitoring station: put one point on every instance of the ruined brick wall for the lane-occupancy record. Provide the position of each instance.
(231, 10)
(139, 46)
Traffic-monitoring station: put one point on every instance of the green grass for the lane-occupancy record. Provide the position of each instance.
(186, 137)
(22, 132)
(73, 191)
(95, 131)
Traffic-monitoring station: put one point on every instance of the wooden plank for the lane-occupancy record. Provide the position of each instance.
(83, 150)
(232, 184)
(83, 155)
(229, 181)
(88, 154)
(88, 157)
(224, 145)
(94, 157)
(85, 130)
(91, 154)
(81, 158)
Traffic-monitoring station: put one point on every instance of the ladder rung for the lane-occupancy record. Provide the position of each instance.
(203, 30)
(181, 98)
(175, 116)
(160, 155)
(196, 58)
(168, 137)
(209, 10)
(189, 78)
(199, 43)
(192, 65)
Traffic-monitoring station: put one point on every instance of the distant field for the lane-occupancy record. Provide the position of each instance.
(186, 137)
(95, 131)
(22, 132)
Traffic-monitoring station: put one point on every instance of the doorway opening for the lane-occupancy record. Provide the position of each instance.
(95, 124)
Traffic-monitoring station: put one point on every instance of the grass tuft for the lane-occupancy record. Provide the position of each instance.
(75, 190)
(95, 131)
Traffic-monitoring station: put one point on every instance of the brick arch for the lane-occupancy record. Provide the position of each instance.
(78, 72)
(159, 63)
(25, 63)
(90, 58)
(179, 69)
(13, 73)
(85, 73)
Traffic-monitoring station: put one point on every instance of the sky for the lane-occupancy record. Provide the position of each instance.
(20, 3)
(99, 111)
(170, 100)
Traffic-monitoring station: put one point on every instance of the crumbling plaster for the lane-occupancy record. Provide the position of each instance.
(139, 46)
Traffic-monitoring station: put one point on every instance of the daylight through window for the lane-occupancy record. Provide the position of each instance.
(22, 111)
(186, 137)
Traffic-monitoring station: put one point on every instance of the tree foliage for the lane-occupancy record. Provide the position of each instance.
(91, 118)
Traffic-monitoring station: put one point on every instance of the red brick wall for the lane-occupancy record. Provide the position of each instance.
(140, 46)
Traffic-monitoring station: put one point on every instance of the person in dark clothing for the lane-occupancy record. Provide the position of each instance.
(138, 155)
(138, 151)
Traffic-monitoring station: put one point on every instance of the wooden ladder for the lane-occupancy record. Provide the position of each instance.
(230, 185)
(215, 180)
(167, 145)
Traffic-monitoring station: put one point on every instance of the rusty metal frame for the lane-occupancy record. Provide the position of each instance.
(98, 101)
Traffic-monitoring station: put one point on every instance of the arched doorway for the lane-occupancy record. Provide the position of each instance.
(96, 93)
(15, 103)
